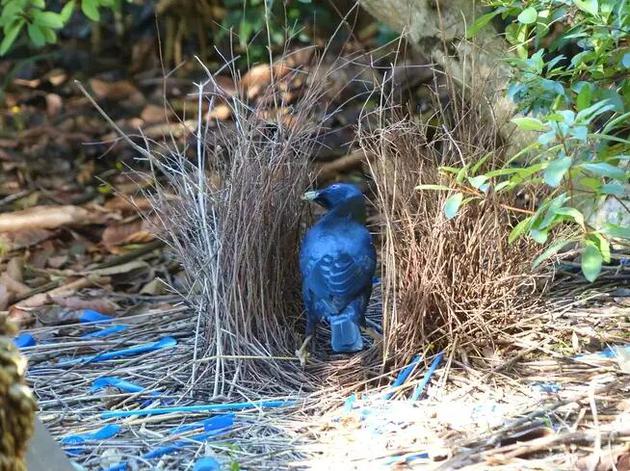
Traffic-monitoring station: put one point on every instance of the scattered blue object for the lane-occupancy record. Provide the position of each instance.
(207, 463)
(404, 374)
(417, 392)
(199, 408)
(213, 424)
(608, 352)
(105, 332)
(115, 382)
(349, 403)
(93, 316)
(407, 458)
(549, 388)
(166, 342)
(24, 340)
(104, 433)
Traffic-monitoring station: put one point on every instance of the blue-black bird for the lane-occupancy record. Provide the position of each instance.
(337, 261)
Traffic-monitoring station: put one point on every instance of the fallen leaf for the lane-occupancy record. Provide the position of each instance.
(154, 287)
(5, 297)
(45, 217)
(120, 269)
(259, 77)
(54, 104)
(118, 90)
(22, 239)
(14, 269)
(221, 112)
(135, 232)
(153, 114)
(14, 287)
(57, 261)
(103, 306)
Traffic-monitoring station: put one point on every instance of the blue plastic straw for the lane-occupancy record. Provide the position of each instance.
(116, 382)
(90, 315)
(105, 332)
(417, 392)
(108, 431)
(166, 342)
(218, 422)
(201, 408)
(404, 374)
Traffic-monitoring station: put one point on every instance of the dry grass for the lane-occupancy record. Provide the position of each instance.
(446, 283)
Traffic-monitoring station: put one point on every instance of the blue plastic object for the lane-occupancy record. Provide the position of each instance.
(404, 374)
(166, 342)
(219, 422)
(419, 389)
(207, 463)
(89, 315)
(105, 332)
(24, 340)
(200, 408)
(115, 382)
(104, 433)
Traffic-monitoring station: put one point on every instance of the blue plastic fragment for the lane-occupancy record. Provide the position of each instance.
(218, 422)
(115, 382)
(608, 352)
(404, 374)
(104, 433)
(419, 389)
(549, 388)
(105, 332)
(349, 403)
(207, 463)
(199, 408)
(89, 315)
(166, 342)
(165, 450)
(24, 340)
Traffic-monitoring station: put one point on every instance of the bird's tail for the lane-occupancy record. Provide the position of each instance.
(346, 334)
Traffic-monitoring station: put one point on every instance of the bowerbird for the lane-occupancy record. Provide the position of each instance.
(337, 261)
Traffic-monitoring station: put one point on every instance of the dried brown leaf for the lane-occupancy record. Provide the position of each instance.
(135, 232)
(104, 306)
(23, 239)
(45, 217)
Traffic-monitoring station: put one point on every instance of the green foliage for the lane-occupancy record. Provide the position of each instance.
(572, 85)
(250, 19)
(31, 17)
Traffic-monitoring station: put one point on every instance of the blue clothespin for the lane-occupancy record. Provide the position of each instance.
(24, 340)
(404, 374)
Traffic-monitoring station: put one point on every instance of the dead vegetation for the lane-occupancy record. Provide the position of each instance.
(447, 283)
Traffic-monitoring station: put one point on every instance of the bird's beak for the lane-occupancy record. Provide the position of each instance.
(310, 195)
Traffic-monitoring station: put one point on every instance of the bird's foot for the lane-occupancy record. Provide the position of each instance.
(371, 332)
(302, 353)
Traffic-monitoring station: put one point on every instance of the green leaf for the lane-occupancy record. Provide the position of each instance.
(589, 6)
(519, 229)
(613, 188)
(617, 231)
(528, 16)
(591, 261)
(583, 99)
(433, 187)
(67, 10)
(605, 170)
(603, 244)
(550, 251)
(10, 34)
(451, 205)
(554, 173)
(477, 181)
(529, 124)
(480, 22)
(90, 9)
(36, 35)
(48, 19)
(539, 236)
(573, 213)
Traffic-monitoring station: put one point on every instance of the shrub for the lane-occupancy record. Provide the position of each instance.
(571, 83)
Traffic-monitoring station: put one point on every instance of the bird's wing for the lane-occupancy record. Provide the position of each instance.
(336, 280)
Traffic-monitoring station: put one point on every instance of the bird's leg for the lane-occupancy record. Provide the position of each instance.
(302, 354)
(371, 332)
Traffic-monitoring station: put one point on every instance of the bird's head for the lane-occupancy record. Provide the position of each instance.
(335, 195)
